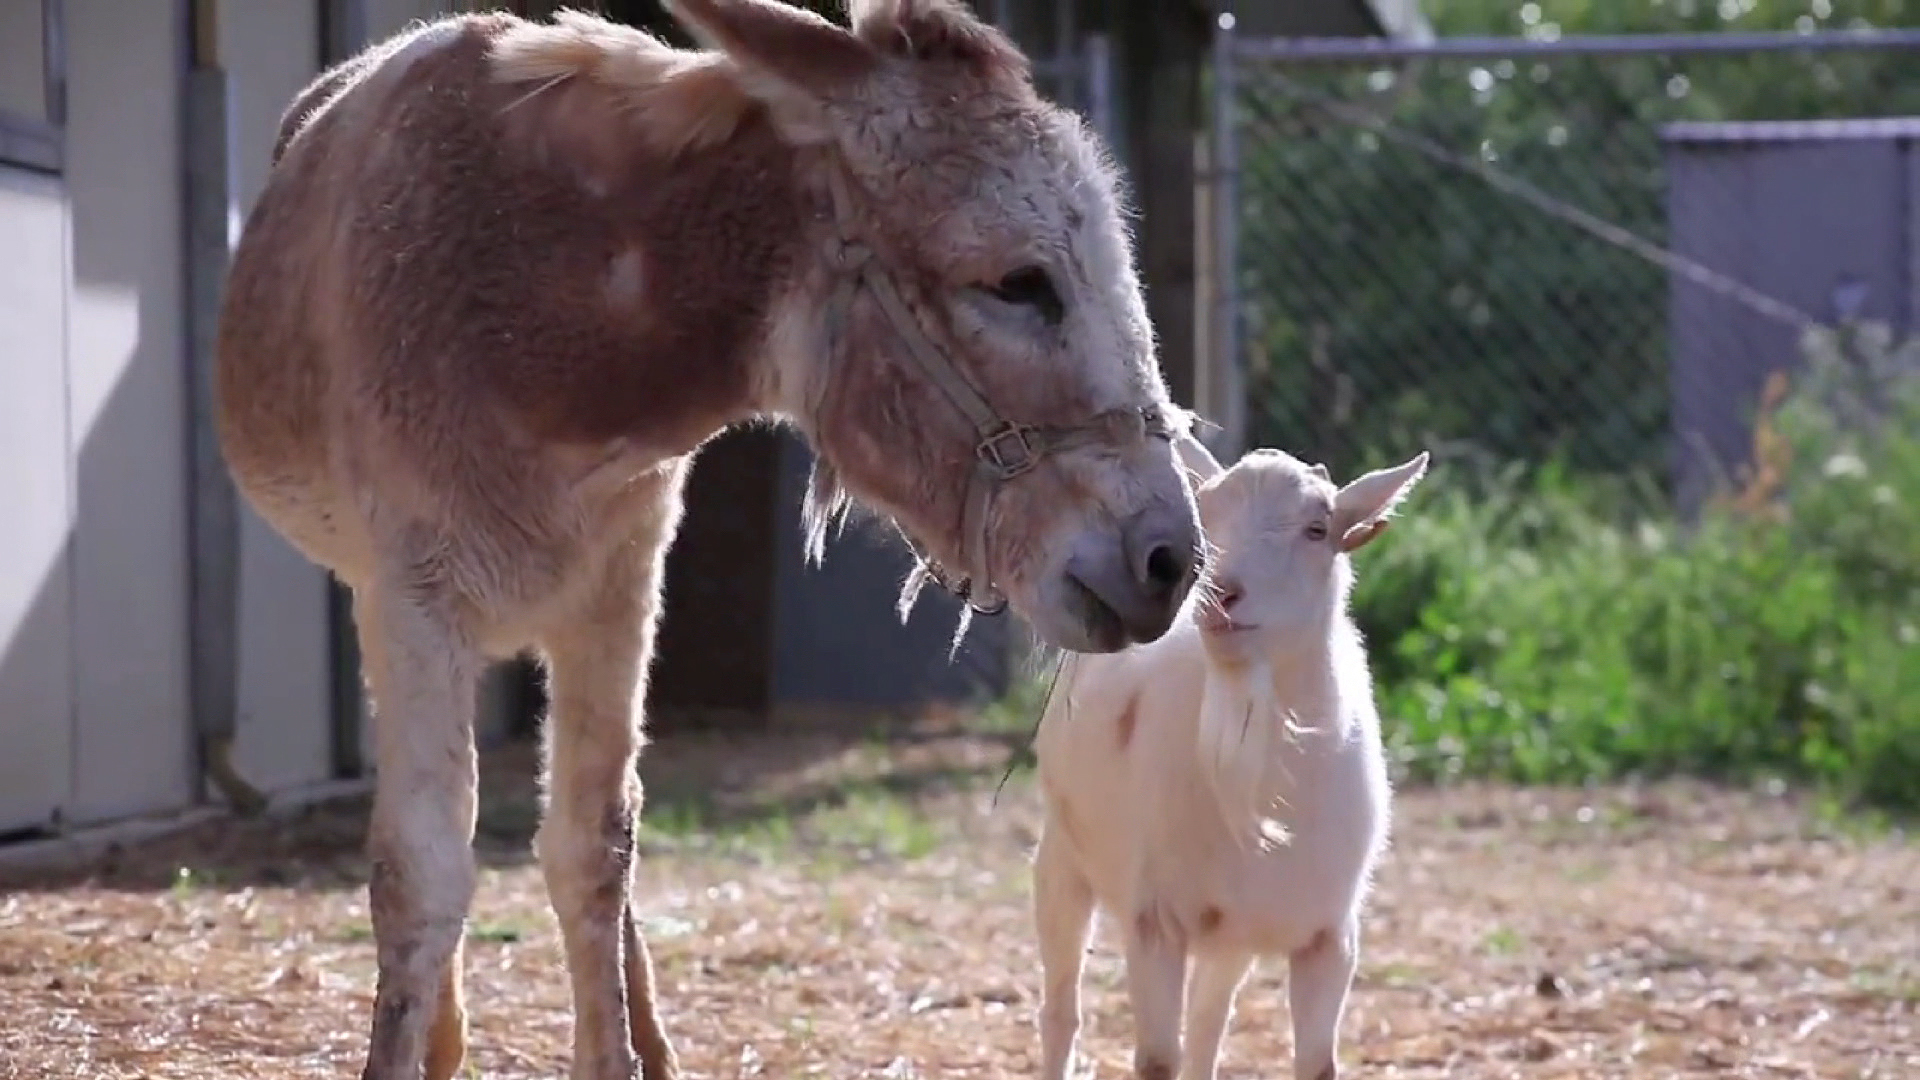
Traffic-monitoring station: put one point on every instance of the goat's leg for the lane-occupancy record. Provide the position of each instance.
(1210, 993)
(1063, 913)
(1319, 978)
(421, 676)
(597, 658)
(1156, 988)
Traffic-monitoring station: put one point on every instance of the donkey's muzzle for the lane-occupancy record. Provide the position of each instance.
(1131, 587)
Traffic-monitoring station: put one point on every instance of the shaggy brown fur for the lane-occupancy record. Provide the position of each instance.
(507, 277)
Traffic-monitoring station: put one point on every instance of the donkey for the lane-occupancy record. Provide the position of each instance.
(508, 276)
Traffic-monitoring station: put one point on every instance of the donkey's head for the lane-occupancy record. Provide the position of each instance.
(980, 314)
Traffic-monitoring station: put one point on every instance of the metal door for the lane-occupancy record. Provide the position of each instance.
(36, 505)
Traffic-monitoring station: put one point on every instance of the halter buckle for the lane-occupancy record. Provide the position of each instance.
(994, 447)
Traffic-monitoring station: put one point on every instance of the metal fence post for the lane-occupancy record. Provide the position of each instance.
(1227, 362)
(213, 573)
(1097, 69)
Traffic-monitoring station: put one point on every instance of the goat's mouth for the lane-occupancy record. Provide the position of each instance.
(1221, 627)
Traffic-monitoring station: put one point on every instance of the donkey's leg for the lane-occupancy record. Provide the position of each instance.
(447, 1039)
(597, 659)
(649, 1035)
(594, 736)
(421, 675)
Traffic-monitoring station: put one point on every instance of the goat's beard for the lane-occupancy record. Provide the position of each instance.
(1240, 725)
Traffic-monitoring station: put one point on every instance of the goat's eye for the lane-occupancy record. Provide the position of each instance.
(1317, 531)
(1031, 286)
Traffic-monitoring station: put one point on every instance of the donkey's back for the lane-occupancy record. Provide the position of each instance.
(314, 369)
(430, 302)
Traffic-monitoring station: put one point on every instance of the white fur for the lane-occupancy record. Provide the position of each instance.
(1241, 811)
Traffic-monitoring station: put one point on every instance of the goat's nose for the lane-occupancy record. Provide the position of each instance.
(1227, 594)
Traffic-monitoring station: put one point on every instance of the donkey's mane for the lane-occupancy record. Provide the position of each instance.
(680, 100)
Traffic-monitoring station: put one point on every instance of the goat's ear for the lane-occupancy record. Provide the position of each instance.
(1362, 534)
(1199, 461)
(1361, 508)
(936, 30)
(789, 57)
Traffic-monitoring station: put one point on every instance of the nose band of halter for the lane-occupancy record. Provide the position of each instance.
(1003, 450)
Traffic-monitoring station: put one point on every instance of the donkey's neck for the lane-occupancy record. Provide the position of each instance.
(794, 364)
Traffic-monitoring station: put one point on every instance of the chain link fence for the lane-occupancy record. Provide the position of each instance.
(1504, 250)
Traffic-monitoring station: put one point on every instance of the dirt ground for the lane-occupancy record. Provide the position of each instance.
(840, 907)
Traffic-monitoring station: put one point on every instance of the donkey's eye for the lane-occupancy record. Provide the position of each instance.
(1030, 286)
(1317, 531)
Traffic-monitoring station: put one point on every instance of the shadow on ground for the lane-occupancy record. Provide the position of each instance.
(700, 787)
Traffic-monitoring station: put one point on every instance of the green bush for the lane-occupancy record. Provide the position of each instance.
(1522, 629)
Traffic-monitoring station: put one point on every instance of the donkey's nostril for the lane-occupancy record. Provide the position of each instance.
(1160, 556)
(1145, 578)
(1164, 566)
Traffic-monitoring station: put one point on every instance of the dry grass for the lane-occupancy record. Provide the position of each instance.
(843, 910)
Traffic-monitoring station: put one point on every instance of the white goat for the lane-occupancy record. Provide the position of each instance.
(1222, 792)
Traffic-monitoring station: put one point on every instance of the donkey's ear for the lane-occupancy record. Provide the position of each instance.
(936, 30)
(1360, 509)
(791, 58)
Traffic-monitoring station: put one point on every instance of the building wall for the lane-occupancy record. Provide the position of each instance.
(95, 711)
(126, 410)
(36, 631)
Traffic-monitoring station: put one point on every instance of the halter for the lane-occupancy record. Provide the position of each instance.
(1003, 451)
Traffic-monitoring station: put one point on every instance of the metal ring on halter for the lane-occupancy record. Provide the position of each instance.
(964, 593)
